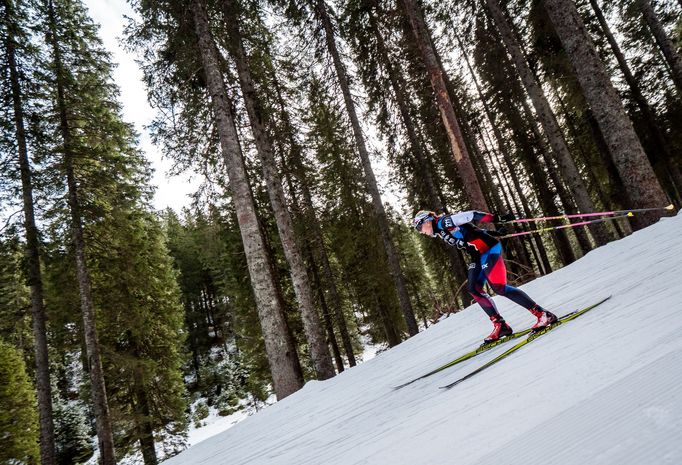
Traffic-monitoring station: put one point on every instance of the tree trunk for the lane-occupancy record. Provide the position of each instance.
(546, 195)
(145, 429)
(319, 351)
(99, 394)
(370, 180)
(32, 253)
(299, 172)
(399, 87)
(665, 44)
(569, 170)
(642, 187)
(459, 150)
(329, 324)
(279, 346)
(660, 144)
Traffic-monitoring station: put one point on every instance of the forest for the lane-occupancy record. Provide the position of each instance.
(121, 325)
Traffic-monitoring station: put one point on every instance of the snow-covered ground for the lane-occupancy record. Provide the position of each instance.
(603, 389)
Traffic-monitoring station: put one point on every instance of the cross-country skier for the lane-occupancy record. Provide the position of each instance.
(486, 265)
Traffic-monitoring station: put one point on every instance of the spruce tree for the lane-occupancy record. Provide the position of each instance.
(643, 189)
(18, 415)
(285, 366)
(259, 121)
(15, 43)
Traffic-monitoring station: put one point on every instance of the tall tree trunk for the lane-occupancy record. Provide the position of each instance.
(32, 252)
(99, 394)
(399, 86)
(279, 346)
(665, 44)
(145, 429)
(370, 180)
(660, 144)
(503, 146)
(569, 170)
(642, 187)
(546, 194)
(299, 172)
(317, 283)
(443, 99)
(326, 314)
(319, 351)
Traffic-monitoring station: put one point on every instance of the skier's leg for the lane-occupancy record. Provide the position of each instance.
(475, 282)
(496, 273)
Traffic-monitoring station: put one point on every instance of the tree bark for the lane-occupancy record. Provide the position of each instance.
(99, 395)
(319, 351)
(279, 346)
(299, 172)
(399, 86)
(660, 143)
(459, 150)
(32, 253)
(145, 429)
(665, 44)
(642, 187)
(569, 170)
(370, 180)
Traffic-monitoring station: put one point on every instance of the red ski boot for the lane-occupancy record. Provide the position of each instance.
(544, 317)
(500, 329)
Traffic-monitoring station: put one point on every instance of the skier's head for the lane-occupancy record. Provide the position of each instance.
(423, 222)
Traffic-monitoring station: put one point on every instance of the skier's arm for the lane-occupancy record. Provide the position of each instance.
(471, 216)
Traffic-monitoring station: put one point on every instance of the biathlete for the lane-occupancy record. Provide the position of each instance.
(487, 263)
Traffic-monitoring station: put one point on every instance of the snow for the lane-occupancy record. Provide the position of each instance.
(602, 389)
(214, 423)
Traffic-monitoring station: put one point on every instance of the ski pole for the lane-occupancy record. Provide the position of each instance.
(585, 215)
(571, 225)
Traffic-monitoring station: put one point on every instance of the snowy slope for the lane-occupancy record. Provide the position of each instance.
(603, 389)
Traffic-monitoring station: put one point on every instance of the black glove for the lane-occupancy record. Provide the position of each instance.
(503, 218)
(500, 232)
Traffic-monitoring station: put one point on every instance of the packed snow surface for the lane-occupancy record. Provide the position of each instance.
(605, 388)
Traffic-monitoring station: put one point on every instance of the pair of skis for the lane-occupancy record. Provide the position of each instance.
(486, 347)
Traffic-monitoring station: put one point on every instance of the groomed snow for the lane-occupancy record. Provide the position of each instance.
(603, 389)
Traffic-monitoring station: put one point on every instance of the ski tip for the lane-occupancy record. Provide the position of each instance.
(670, 207)
(630, 214)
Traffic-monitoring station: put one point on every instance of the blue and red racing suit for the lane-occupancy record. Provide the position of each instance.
(486, 253)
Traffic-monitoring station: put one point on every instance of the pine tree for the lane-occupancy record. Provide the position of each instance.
(327, 45)
(664, 42)
(292, 249)
(282, 354)
(73, 432)
(341, 185)
(443, 98)
(14, 42)
(18, 416)
(643, 189)
(57, 19)
(547, 118)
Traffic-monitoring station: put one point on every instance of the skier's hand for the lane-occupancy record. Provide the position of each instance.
(497, 218)
(500, 232)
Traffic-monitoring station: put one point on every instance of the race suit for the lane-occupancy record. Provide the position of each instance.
(486, 264)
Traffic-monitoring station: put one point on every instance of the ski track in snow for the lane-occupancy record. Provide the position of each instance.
(602, 389)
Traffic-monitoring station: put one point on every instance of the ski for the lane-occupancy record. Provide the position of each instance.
(477, 351)
(530, 338)
(486, 346)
